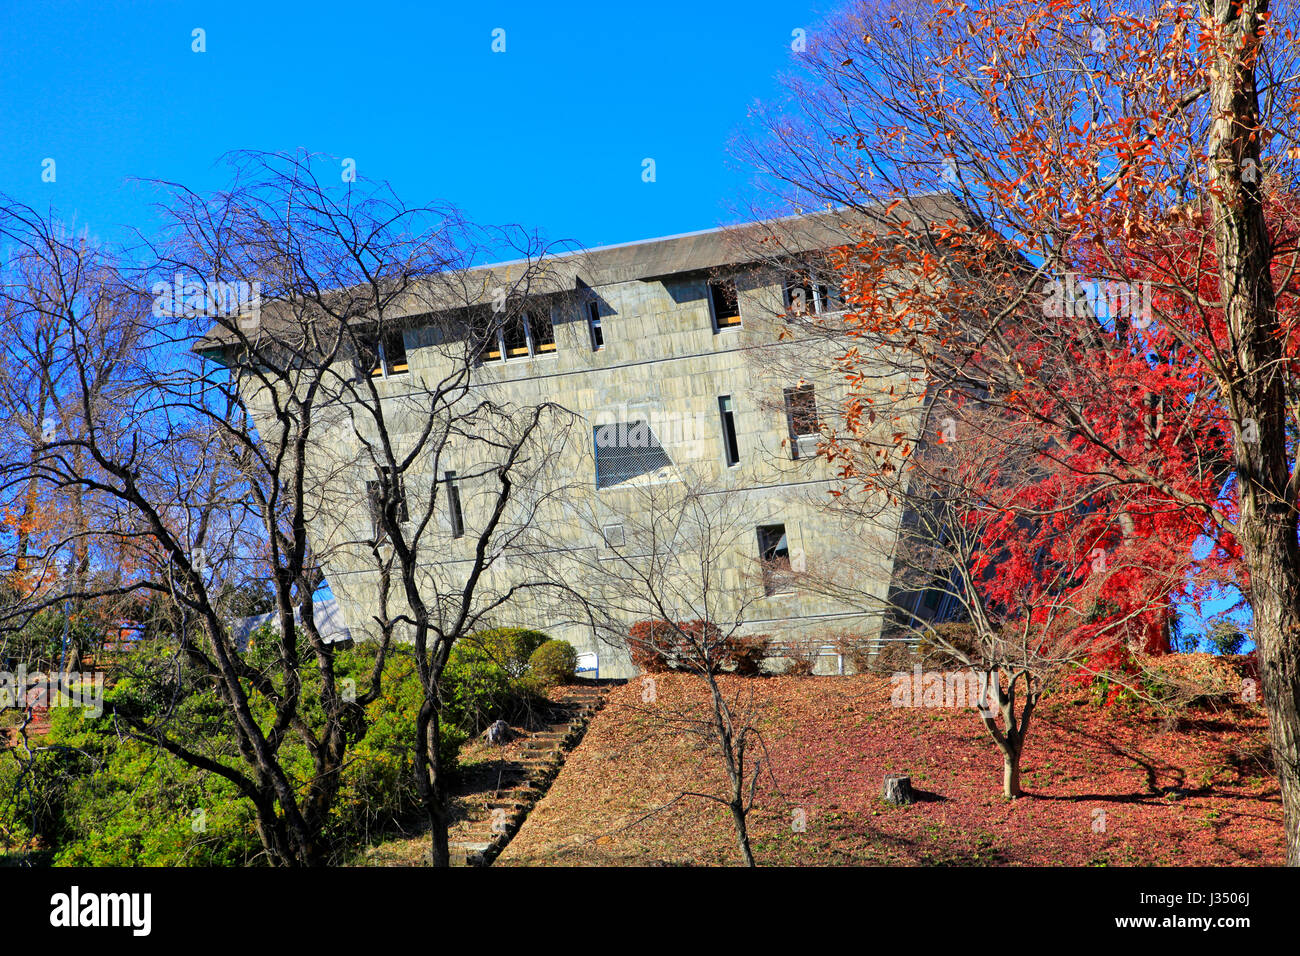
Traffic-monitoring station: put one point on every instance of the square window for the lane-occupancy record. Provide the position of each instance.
(614, 537)
(384, 355)
(807, 294)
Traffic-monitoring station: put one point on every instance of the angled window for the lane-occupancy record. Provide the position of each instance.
(454, 513)
(387, 499)
(593, 323)
(627, 450)
(774, 555)
(725, 303)
(730, 447)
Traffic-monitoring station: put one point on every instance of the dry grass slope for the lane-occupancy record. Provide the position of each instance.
(1193, 790)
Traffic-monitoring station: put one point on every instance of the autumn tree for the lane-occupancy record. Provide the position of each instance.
(1126, 151)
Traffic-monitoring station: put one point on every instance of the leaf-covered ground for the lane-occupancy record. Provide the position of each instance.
(1117, 785)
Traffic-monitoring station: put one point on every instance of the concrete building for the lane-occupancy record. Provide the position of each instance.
(671, 355)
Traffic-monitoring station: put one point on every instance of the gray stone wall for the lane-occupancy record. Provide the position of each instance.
(662, 361)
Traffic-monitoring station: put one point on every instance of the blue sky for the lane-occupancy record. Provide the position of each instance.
(551, 133)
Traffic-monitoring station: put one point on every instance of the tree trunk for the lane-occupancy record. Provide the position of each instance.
(1254, 384)
(428, 781)
(1011, 774)
(733, 758)
(1271, 555)
(742, 832)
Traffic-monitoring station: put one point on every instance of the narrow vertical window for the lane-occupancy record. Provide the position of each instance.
(453, 506)
(394, 345)
(730, 448)
(487, 335)
(593, 322)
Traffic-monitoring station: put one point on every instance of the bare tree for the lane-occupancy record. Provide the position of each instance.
(675, 583)
(198, 483)
(423, 477)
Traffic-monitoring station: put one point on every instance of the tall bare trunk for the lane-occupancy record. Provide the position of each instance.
(733, 757)
(1267, 526)
(1011, 775)
(429, 780)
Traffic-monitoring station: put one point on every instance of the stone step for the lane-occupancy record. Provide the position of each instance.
(478, 814)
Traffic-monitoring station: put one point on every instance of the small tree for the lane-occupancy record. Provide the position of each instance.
(676, 592)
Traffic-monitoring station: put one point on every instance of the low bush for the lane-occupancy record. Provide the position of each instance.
(655, 646)
(554, 662)
(509, 648)
(932, 646)
(801, 656)
(747, 654)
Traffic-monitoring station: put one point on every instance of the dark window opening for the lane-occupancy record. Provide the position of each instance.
(801, 411)
(516, 336)
(801, 416)
(387, 499)
(593, 322)
(487, 335)
(384, 355)
(774, 553)
(453, 506)
(730, 446)
(626, 450)
(543, 330)
(725, 302)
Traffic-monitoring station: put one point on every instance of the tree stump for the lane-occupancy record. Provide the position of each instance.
(898, 789)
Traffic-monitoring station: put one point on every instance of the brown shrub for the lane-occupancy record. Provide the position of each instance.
(746, 654)
(801, 655)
